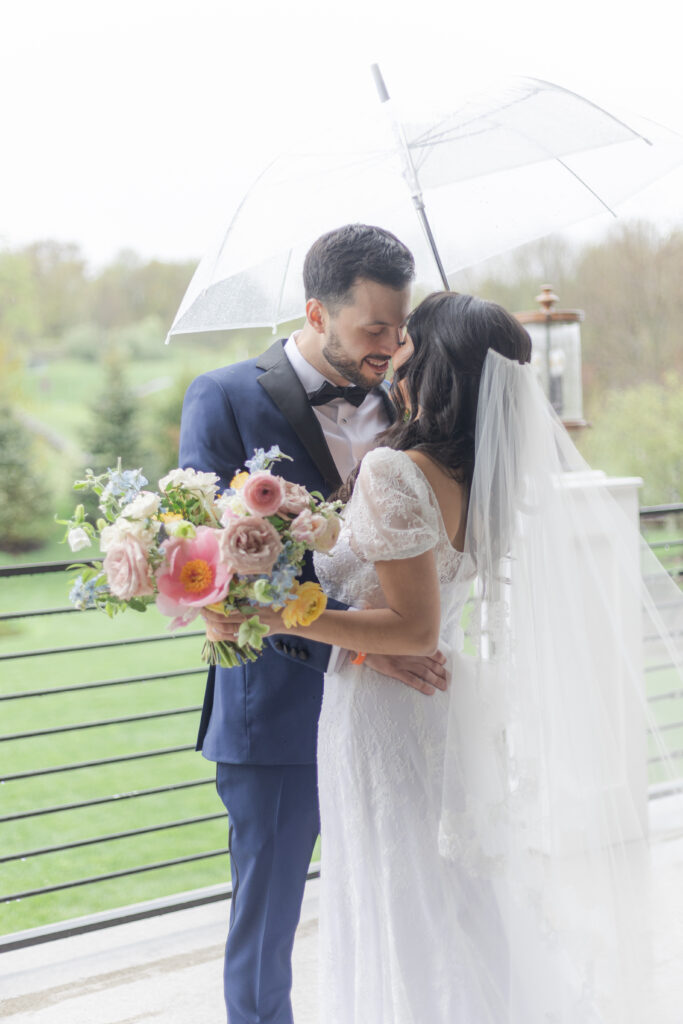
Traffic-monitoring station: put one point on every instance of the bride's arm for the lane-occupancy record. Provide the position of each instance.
(409, 625)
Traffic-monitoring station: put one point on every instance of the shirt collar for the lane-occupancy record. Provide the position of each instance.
(311, 378)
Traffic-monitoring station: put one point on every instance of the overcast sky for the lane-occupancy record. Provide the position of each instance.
(137, 123)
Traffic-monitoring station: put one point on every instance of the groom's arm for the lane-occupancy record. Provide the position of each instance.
(210, 440)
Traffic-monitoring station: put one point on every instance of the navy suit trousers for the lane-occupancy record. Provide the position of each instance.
(274, 823)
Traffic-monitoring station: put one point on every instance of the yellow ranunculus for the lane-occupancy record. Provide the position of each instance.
(239, 480)
(307, 604)
(217, 607)
(169, 517)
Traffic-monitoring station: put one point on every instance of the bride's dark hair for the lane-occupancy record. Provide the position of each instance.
(436, 391)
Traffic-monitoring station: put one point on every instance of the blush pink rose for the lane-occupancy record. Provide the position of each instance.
(296, 499)
(308, 527)
(192, 575)
(327, 538)
(127, 569)
(250, 545)
(263, 494)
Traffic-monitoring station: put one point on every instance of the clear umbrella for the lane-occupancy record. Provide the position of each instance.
(505, 168)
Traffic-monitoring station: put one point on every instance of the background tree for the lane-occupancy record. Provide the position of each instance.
(23, 492)
(115, 430)
(20, 319)
(638, 432)
(163, 425)
(60, 284)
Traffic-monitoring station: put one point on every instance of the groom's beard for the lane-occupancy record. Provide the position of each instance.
(347, 367)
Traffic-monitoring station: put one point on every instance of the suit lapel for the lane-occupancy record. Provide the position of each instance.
(287, 392)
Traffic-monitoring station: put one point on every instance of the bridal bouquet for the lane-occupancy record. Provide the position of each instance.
(186, 547)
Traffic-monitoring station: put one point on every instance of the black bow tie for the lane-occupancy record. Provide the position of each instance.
(327, 392)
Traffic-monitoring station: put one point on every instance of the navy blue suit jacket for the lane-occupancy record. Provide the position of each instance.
(264, 712)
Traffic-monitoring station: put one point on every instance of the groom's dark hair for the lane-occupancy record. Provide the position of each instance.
(355, 252)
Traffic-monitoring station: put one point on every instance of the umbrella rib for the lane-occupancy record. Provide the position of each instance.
(434, 135)
(552, 156)
(234, 218)
(282, 289)
(595, 106)
(585, 185)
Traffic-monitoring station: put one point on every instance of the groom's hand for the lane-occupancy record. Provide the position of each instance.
(422, 673)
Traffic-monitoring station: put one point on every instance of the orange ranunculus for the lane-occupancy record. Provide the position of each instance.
(239, 480)
(308, 602)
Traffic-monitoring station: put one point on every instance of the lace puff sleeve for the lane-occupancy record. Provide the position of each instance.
(392, 513)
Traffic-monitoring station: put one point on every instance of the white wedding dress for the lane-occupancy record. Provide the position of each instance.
(392, 949)
(484, 853)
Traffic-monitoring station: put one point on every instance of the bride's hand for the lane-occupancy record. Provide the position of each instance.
(226, 627)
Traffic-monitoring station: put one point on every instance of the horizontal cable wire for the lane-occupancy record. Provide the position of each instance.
(671, 755)
(98, 646)
(132, 795)
(27, 854)
(656, 636)
(111, 875)
(123, 681)
(666, 696)
(666, 728)
(95, 764)
(647, 511)
(99, 723)
(37, 568)
(6, 616)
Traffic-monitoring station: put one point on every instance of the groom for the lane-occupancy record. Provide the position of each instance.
(319, 396)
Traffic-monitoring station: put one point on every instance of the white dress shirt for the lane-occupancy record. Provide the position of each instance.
(350, 432)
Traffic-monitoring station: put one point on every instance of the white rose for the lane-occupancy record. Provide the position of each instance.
(202, 484)
(145, 505)
(122, 527)
(221, 503)
(237, 506)
(78, 539)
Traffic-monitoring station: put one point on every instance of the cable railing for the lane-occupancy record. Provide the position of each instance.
(663, 527)
(75, 748)
(100, 788)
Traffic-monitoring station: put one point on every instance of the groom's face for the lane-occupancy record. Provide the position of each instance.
(361, 337)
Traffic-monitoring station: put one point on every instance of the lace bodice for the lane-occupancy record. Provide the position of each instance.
(393, 513)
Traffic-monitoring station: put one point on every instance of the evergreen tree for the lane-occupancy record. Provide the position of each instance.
(115, 432)
(23, 495)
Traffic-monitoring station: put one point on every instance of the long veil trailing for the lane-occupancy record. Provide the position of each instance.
(545, 789)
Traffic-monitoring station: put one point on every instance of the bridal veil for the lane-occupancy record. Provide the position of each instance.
(544, 787)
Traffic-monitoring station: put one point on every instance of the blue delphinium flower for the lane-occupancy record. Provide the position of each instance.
(82, 594)
(282, 581)
(124, 485)
(262, 459)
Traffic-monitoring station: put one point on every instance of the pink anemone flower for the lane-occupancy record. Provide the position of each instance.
(191, 576)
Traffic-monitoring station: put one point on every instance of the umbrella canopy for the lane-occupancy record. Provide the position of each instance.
(505, 168)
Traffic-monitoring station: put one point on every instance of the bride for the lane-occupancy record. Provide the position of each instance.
(483, 854)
